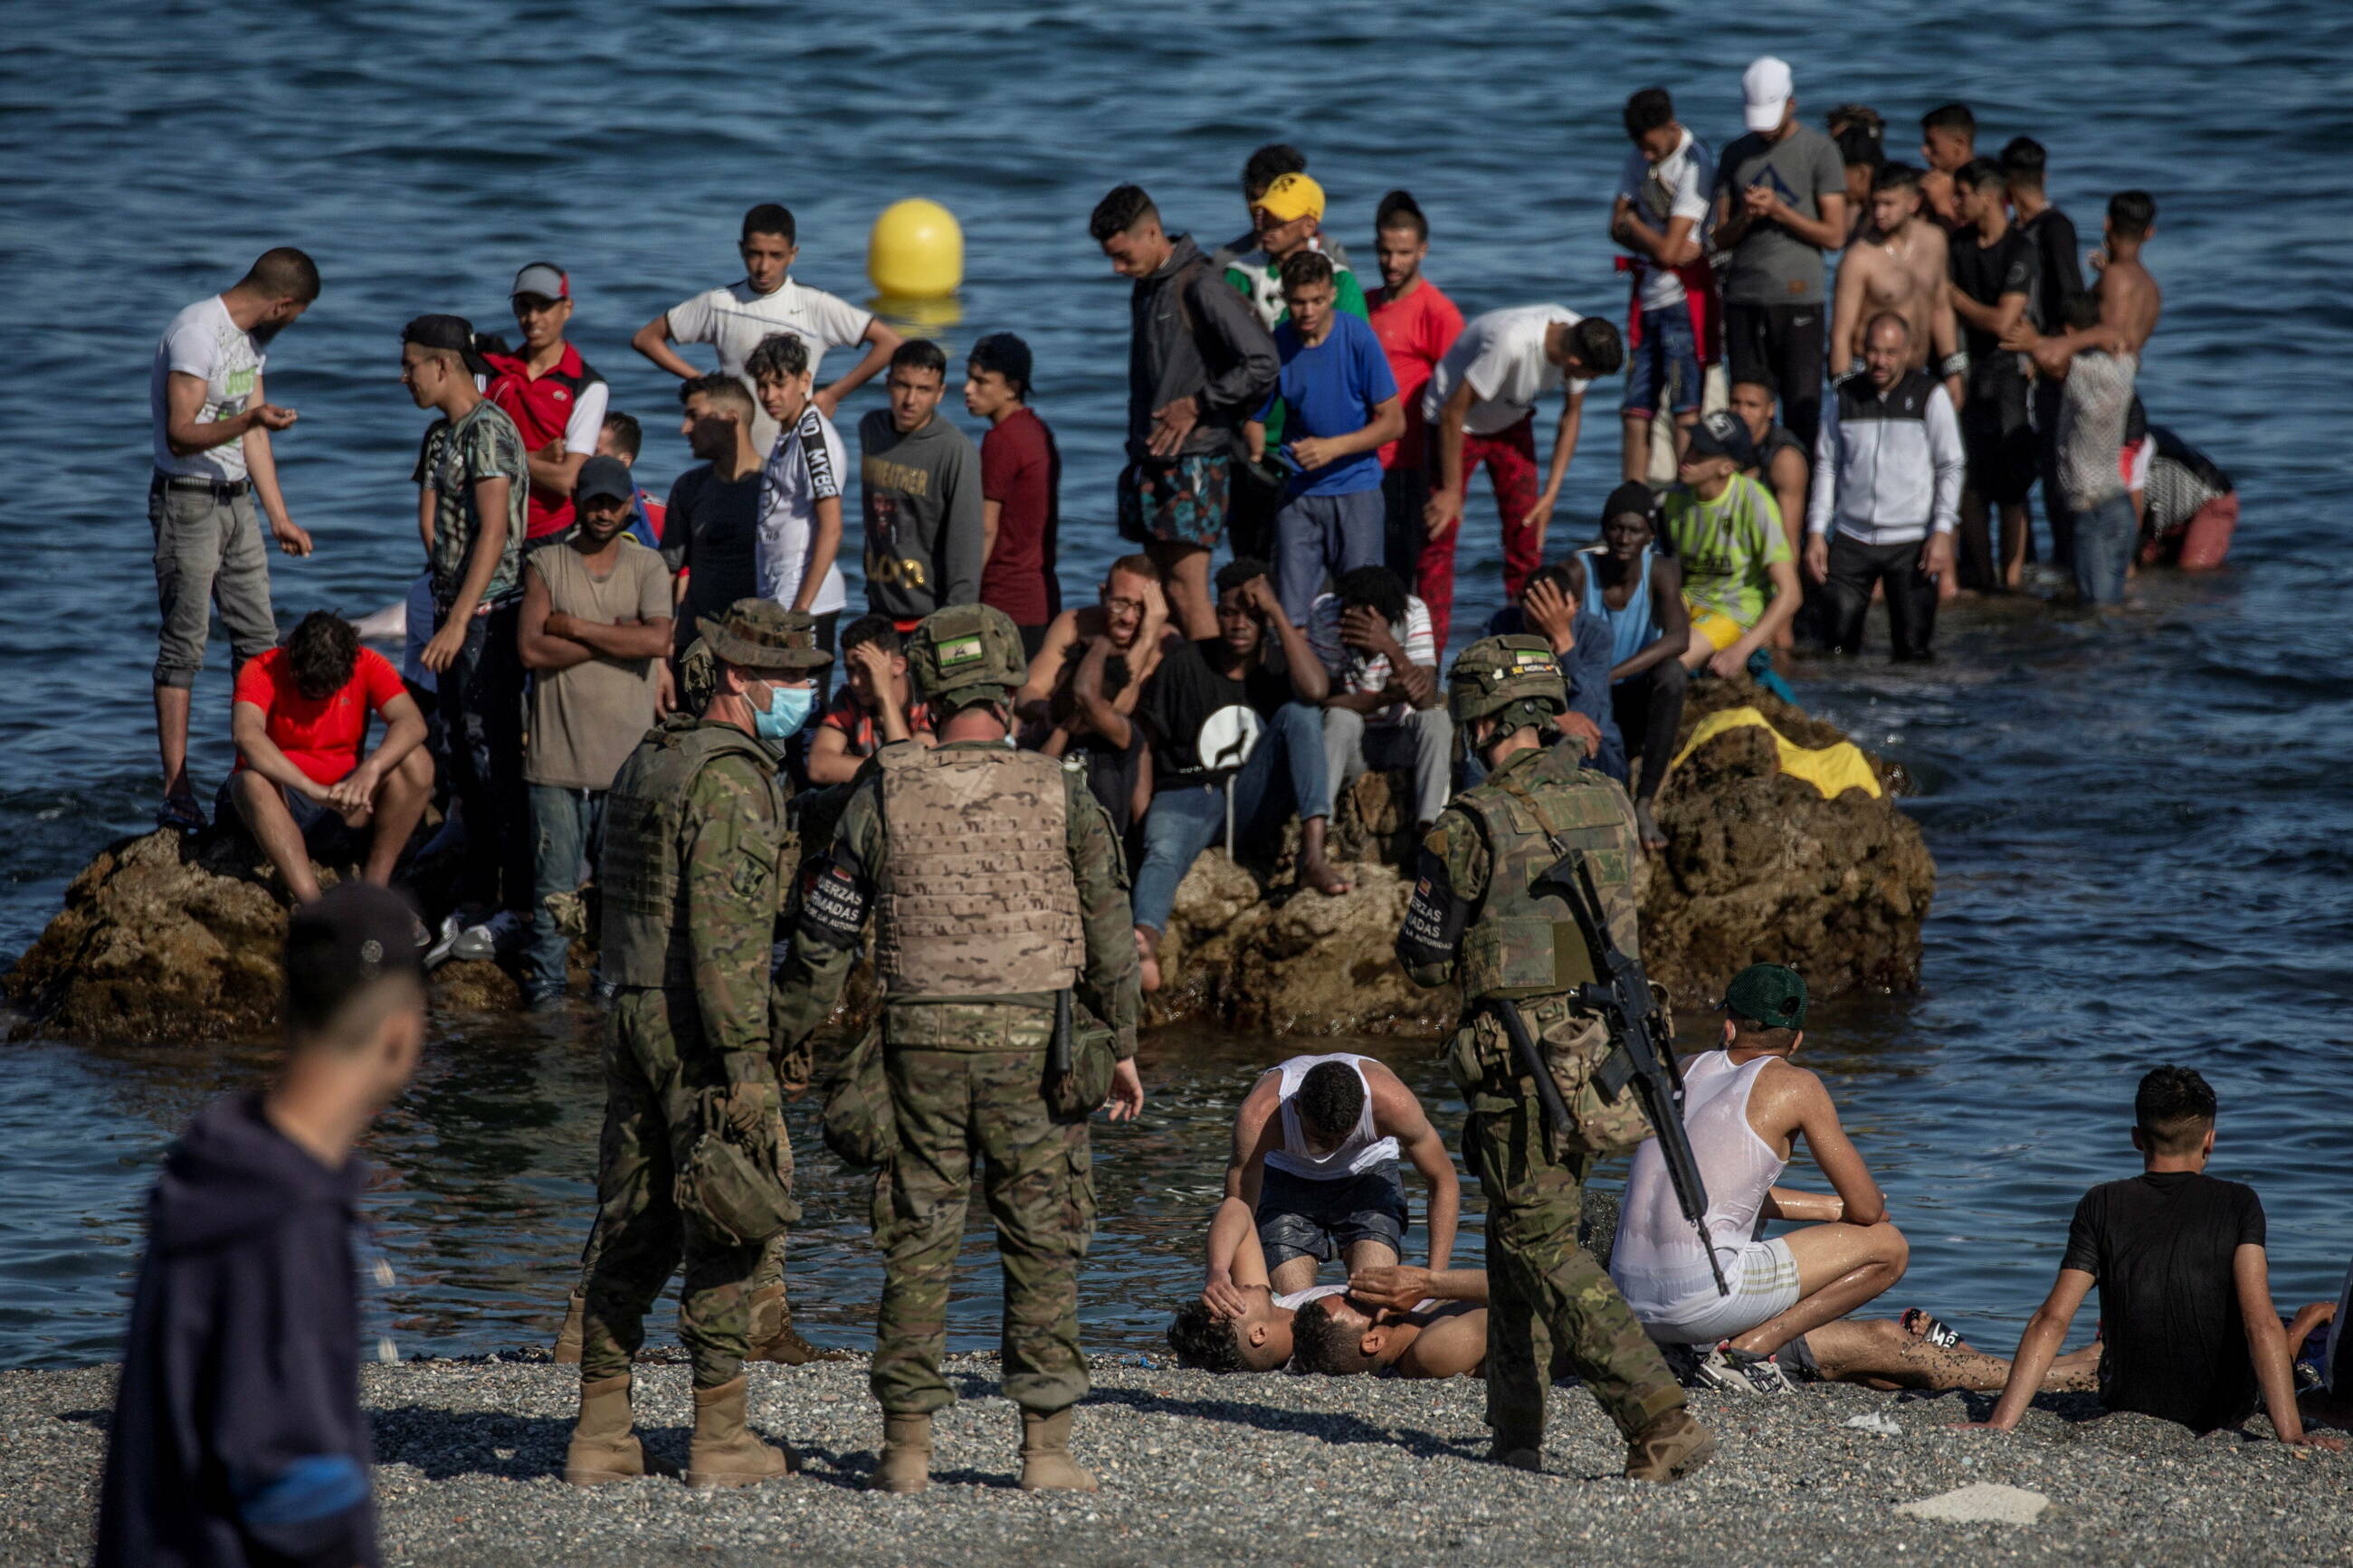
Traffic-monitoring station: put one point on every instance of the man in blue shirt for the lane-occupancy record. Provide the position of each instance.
(1340, 407)
(1582, 644)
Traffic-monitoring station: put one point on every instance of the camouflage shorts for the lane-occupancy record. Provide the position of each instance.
(1177, 500)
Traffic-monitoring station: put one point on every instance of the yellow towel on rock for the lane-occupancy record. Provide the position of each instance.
(1830, 769)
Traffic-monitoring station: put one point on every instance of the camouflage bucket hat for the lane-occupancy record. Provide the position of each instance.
(760, 635)
(1494, 673)
(966, 653)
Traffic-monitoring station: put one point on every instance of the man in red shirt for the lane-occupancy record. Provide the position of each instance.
(301, 715)
(1021, 489)
(1417, 324)
(549, 391)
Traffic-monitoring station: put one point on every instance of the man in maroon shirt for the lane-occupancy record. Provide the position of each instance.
(1020, 486)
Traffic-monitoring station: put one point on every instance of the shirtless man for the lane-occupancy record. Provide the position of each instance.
(1132, 612)
(1902, 266)
(1405, 1322)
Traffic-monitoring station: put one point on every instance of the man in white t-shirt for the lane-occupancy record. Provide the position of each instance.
(798, 557)
(736, 318)
(1481, 407)
(1660, 218)
(1386, 708)
(212, 423)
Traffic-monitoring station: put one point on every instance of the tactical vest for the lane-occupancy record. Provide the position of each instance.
(1525, 943)
(644, 939)
(978, 898)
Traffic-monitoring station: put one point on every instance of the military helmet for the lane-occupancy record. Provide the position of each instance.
(966, 654)
(1516, 678)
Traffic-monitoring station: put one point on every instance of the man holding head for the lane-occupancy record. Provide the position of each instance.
(1886, 496)
(212, 424)
(920, 485)
(555, 399)
(737, 318)
(692, 880)
(238, 1435)
(1199, 363)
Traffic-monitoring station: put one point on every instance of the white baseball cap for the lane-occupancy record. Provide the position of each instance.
(1766, 87)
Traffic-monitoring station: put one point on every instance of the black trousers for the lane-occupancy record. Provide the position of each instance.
(1843, 601)
(1648, 708)
(1404, 492)
(1780, 346)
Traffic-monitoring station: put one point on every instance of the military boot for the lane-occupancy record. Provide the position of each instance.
(1669, 1449)
(567, 1339)
(774, 1338)
(906, 1463)
(603, 1447)
(724, 1453)
(1046, 1462)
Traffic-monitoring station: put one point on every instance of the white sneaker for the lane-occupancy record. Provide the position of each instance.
(502, 932)
(1730, 1371)
(452, 928)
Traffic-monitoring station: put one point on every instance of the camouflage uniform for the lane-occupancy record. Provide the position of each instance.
(695, 860)
(1475, 917)
(984, 912)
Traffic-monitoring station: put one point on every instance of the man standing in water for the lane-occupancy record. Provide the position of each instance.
(1416, 324)
(1899, 265)
(212, 427)
(693, 854)
(1479, 916)
(971, 988)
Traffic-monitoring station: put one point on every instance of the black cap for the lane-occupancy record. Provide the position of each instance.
(454, 333)
(355, 935)
(605, 477)
(1006, 354)
(1724, 434)
(1633, 495)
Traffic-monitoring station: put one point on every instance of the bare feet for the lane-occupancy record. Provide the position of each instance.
(1648, 826)
(1318, 873)
(1148, 957)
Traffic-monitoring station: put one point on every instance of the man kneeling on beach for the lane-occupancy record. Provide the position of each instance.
(1313, 1176)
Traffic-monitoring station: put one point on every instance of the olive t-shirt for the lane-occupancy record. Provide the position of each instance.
(2161, 1246)
(584, 721)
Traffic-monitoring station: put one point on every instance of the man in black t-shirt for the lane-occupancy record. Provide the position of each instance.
(1260, 664)
(2189, 1332)
(1993, 272)
(2058, 272)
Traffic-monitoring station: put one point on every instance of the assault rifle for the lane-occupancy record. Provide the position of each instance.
(1645, 1056)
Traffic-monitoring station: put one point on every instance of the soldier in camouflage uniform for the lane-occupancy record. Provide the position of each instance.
(689, 883)
(1480, 917)
(996, 882)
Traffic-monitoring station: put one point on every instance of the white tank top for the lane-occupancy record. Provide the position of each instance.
(1359, 1152)
(1659, 1264)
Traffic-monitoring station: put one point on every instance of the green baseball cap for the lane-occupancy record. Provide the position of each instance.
(1769, 994)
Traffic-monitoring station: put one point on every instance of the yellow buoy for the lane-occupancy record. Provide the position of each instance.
(916, 251)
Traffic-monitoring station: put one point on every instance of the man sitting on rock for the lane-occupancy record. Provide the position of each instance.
(301, 715)
(1313, 1177)
(1385, 708)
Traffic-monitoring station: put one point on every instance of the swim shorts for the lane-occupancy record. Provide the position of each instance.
(1720, 629)
(1176, 501)
(1764, 1280)
(1300, 1218)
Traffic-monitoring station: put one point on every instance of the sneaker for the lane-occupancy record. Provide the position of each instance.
(502, 932)
(1729, 1371)
(422, 934)
(181, 812)
(452, 928)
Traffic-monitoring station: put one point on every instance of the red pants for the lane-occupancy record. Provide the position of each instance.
(1510, 457)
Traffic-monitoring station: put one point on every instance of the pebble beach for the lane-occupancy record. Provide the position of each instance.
(1199, 1469)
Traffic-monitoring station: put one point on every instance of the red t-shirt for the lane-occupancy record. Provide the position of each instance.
(541, 409)
(1415, 332)
(322, 739)
(1022, 472)
(845, 714)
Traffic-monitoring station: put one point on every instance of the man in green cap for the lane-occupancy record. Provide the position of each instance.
(1484, 914)
(691, 880)
(1746, 1105)
(997, 889)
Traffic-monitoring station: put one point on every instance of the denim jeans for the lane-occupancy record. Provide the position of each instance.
(1187, 818)
(481, 715)
(569, 826)
(2105, 539)
(1664, 370)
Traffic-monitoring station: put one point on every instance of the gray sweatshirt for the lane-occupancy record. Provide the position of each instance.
(921, 500)
(1194, 337)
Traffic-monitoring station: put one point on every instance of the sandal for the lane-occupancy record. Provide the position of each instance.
(183, 813)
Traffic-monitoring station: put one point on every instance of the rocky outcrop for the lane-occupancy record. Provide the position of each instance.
(169, 939)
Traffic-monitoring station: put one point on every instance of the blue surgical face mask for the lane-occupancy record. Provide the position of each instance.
(788, 709)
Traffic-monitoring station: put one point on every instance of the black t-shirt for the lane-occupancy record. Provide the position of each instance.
(1985, 273)
(2161, 1246)
(2058, 271)
(1111, 771)
(1191, 684)
(713, 533)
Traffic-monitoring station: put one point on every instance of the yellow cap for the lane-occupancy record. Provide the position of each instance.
(1292, 196)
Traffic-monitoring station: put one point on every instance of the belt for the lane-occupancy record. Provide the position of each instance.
(219, 489)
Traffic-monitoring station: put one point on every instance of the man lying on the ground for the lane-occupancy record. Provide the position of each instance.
(2185, 1284)
(1314, 1173)
(1252, 1331)
(1396, 1319)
